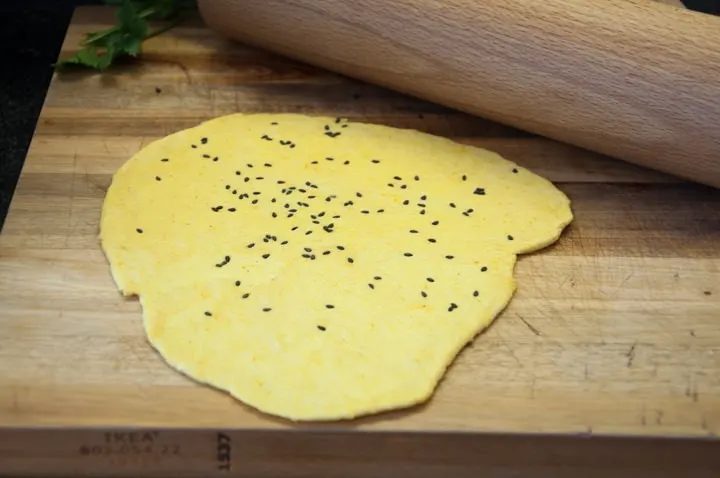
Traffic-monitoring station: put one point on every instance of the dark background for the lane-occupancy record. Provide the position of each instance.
(31, 32)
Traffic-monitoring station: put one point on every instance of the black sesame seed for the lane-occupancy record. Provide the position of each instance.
(251, 245)
(246, 295)
(350, 260)
(510, 238)
(237, 283)
(208, 314)
(265, 256)
(216, 159)
(274, 123)
(237, 173)
(372, 286)
(140, 231)
(203, 140)
(283, 243)
(483, 269)
(254, 201)
(227, 186)
(267, 309)
(294, 228)
(307, 233)
(165, 160)
(435, 223)
(404, 186)
(307, 249)
(329, 306)
(326, 253)
(232, 209)
(193, 146)
(206, 156)
(422, 212)
(408, 254)
(479, 191)
(464, 177)
(417, 178)
(413, 231)
(327, 128)
(234, 191)
(375, 161)
(321, 327)
(449, 257)
(423, 293)
(476, 293)
(358, 195)
(452, 307)
(452, 204)
(420, 204)
(423, 197)
(346, 163)
(377, 278)
(274, 214)
(430, 279)
(313, 162)
(397, 178)
(515, 171)
(329, 159)
(365, 211)
(259, 178)
(391, 185)
(406, 202)
(432, 240)
(341, 248)
(247, 179)
(158, 178)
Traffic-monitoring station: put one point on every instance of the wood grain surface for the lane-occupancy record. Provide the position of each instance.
(605, 362)
(634, 79)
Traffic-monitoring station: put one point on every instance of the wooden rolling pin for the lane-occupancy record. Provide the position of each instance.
(633, 79)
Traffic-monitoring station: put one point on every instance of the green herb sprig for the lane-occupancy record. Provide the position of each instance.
(100, 49)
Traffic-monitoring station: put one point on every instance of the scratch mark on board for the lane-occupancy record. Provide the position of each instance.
(631, 354)
(659, 414)
(532, 328)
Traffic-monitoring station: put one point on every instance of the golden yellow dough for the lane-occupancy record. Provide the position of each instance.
(320, 269)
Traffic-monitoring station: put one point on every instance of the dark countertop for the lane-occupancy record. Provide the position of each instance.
(31, 32)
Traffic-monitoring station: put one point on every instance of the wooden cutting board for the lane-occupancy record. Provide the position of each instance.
(608, 355)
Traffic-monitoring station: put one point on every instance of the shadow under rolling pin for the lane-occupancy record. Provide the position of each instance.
(635, 79)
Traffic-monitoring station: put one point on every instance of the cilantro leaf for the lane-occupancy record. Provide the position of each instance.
(100, 49)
